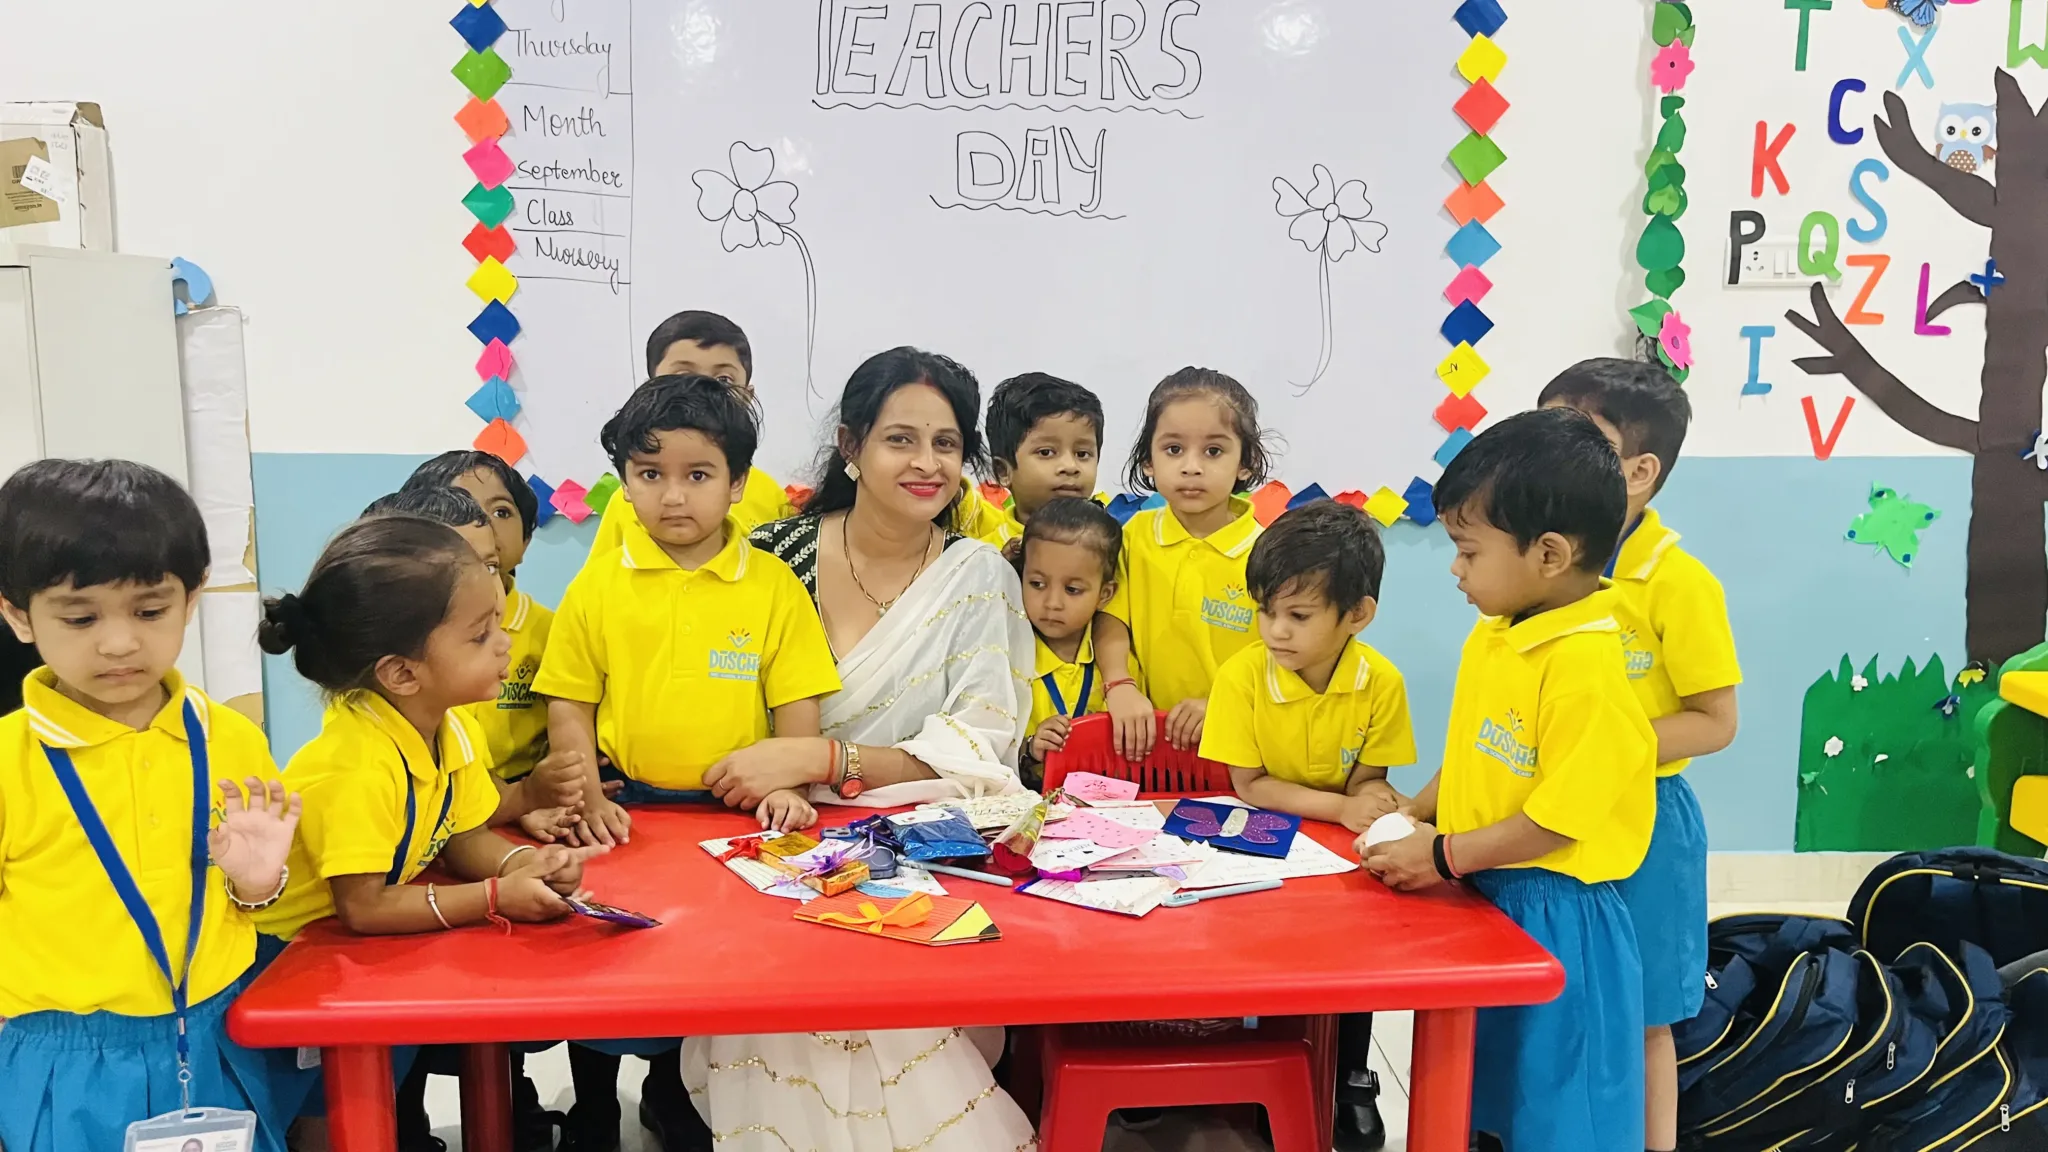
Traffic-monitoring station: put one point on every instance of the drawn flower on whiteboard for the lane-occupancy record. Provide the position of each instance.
(1675, 338)
(1330, 220)
(1670, 67)
(755, 210)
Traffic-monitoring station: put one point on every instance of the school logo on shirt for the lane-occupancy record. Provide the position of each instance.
(1231, 610)
(516, 693)
(734, 662)
(1638, 661)
(1348, 757)
(1502, 740)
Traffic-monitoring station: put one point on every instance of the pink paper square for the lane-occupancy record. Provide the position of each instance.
(1471, 284)
(489, 162)
(1092, 787)
(1099, 830)
(568, 500)
(495, 361)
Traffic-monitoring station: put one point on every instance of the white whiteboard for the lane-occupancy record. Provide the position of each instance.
(1075, 224)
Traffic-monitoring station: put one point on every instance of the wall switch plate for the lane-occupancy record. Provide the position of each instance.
(1767, 264)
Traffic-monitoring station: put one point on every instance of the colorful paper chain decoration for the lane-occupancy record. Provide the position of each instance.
(1661, 248)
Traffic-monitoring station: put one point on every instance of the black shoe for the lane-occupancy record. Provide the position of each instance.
(676, 1129)
(1359, 1127)
(590, 1129)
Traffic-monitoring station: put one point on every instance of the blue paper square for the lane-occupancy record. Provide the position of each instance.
(1466, 324)
(494, 401)
(495, 322)
(1480, 17)
(1308, 495)
(479, 26)
(545, 492)
(1452, 445)
(1421, 505)
(1123, 506)
(1472, 245)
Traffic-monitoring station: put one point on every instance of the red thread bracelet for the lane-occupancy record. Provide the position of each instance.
(1117, 683)
(491, 905)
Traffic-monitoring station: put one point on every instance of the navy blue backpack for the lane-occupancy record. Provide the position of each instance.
(1996, 901)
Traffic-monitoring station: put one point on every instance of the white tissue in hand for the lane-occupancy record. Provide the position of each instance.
(1392, 826)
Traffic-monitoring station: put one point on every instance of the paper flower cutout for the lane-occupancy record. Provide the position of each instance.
(2039, 452)
(1669, 69)
(1330, 220)
(1972, 673)
(1833, 747)
(1674, 336)
(755, 210)
(1857, 683)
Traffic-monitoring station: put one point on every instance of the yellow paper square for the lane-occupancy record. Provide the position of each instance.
(1482, 57)
(1462, 370)
(491, 281)
(1386, 506)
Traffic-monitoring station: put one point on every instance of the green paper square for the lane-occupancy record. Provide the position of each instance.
(483, 73)
(489, 205)
(600, 495)
(1475, 156)
(1649, 317)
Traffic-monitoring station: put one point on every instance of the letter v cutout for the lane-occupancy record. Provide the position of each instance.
(1822, 449)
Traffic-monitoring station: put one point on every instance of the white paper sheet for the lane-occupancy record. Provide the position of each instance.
(1128, 896)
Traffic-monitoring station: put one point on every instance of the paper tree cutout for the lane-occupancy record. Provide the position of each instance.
(755, 210)
(1330, 220)
(1893, 524)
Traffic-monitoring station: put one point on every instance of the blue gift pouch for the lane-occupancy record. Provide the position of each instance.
(938, 834)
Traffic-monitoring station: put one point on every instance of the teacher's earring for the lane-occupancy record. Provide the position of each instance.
(853, 471)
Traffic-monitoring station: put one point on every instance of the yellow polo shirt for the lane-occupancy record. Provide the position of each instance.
(355, 776)
(67, 943)
(1674, 623)
(1067, 677)
(1543, 722)
(762, 502)
(1264, 716)
(1184, 599)
(978, 519)
(685, 666)
(515, 725)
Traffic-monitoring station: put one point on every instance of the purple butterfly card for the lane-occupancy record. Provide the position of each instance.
(1250, 830)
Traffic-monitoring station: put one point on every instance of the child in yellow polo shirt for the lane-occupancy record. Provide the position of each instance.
(700, 344)
(1044, 443)
(1681, 660)
(1181, 604)
(1067, 558)
(1548, 788)
(129, 860)
(682, 645)
(1310, 718)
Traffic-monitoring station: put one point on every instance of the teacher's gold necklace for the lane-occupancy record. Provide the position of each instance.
(881, 606)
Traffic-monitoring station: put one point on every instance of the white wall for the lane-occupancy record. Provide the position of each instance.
(305, 156)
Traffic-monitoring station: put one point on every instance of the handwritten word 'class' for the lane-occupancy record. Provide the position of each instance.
(1110, 53)
(988, 171)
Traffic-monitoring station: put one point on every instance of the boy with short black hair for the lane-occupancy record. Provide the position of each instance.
(1044, 442)
(1547, 793)
(1310, 718)
(671, 650)
(1681, 659)
(101, 567)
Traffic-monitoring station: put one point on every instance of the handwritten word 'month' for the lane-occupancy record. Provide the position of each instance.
(1126, 53)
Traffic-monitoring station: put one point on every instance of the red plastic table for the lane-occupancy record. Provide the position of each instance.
(729, 960)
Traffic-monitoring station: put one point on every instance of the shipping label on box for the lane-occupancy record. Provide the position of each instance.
(26, 178)
(55, 181)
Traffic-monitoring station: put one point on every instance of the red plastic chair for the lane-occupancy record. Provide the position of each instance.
(1090, 1070)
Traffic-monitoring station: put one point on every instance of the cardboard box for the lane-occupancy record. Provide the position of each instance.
(75, 209)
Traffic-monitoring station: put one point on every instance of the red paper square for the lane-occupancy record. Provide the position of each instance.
(1481, 106)
(482, 119)
(486, 243)
(1270, 501)
(1460, 412)
(1472, 202)
(1354, 498)
(503, 441)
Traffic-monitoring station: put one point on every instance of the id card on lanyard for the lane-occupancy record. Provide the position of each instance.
(1059, 703)
(214, 1129)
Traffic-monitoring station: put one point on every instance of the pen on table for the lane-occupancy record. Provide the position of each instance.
(965, 873)
(1184, 899)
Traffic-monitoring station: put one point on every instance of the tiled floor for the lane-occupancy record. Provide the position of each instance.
(1391, 1035)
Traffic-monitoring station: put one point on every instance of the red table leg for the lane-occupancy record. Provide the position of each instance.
(486, 1098)
(1440, 1085)
(361, 1112)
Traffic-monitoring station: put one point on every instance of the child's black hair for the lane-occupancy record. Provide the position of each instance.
(706, 328)
(92, 522)
(444, 470)
(450, 506)
(1550, 470)
(860, 404)
(1324, 546)
(380, 588)
(1072, 520)
(673, 403)
(1643, 402)
(1019, 403)
(1256, 453)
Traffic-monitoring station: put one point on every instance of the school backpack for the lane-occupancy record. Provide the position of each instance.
(1998, 1103)
(1986, 897)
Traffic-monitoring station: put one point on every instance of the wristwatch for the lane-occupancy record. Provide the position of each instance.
(850, 783)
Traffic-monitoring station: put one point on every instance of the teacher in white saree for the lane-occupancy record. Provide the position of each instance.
(935, 655)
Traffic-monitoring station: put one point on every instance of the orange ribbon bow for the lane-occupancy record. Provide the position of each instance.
(908, 912)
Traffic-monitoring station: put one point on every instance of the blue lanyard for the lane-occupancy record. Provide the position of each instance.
(1059, 703)
(123, 880)
(1619, 545)
(412, 804)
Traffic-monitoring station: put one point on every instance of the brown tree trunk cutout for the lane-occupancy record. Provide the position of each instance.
(2007, 589)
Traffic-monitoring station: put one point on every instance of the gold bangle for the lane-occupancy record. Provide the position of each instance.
(434, 906)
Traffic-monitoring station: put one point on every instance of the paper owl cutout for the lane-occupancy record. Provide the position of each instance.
(1966, 136)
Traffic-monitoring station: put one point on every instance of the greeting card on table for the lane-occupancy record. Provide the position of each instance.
(1090, 788)
(1250, 830)
(1127, 896)
(918, 918)
(1099, 829)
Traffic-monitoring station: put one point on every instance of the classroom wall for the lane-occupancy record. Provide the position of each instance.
(305, 157)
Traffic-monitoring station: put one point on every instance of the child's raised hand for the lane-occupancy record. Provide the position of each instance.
(786, 811)
(1135, 721)
(254, 838)
(558, 781)
(553, 825)
(1407, 864)
(1050, 737)
(1184, 723)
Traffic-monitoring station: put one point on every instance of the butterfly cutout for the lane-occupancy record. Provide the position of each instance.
(1241, 824)
(1920, 12)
